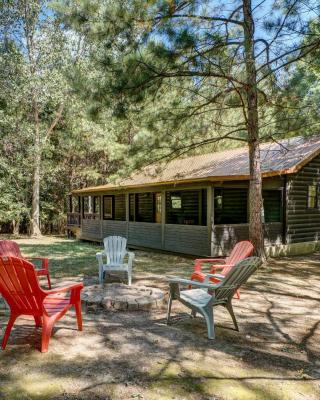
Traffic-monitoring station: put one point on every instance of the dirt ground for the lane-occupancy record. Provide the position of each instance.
(135, 355)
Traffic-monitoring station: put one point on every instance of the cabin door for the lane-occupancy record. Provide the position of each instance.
(158, 208)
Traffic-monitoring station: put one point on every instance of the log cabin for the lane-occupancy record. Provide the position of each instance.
(199, 205)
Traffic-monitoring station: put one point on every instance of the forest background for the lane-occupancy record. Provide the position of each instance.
(91, 90)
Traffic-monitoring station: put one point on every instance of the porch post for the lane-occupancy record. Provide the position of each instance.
(163, 218)
(127, 215)
(101, 215)
(210, 216)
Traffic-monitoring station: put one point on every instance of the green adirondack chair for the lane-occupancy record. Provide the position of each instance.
(208, 295)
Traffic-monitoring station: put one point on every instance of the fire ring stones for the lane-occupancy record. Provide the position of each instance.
(117, 296)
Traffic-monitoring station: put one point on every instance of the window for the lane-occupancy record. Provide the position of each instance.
(145, 207)
(107, 207)
(120, 207)
(176, 202)
(114, 207)
(74, 204)
(272, 205)
(85, 205)
(186, 207)
(230, 206)
(312, 196)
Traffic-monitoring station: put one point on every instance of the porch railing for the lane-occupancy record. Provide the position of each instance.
(73, 219)
(91, 216)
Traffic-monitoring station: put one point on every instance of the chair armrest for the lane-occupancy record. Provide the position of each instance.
(44, 261)
(192, 283)
(72, 287)
(99, 256)
(214, 268)
(210, 260)
(217, 276)
(199, 261)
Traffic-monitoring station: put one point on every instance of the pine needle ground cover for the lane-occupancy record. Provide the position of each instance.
(134, 355)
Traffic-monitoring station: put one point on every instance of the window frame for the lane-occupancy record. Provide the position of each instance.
(137, 203)
(202, 212)
(281, 200)
(221, 205)
(175, 197)
(315, 197)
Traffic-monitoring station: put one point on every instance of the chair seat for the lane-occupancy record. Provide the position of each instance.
(115, 267)
(196, 297)
(54, 305)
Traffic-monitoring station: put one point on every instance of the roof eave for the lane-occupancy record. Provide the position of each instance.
(292, 170)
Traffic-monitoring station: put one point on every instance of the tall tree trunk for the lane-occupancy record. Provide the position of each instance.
(35, 217)
(15, 226)
(255, 189)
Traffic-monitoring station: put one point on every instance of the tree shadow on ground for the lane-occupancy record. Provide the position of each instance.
(123, 355)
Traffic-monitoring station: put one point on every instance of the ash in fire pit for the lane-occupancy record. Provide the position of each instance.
(117, 296)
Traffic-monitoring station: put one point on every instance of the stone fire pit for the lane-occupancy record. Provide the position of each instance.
(117, 296)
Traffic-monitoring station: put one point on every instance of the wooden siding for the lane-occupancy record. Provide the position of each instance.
(91, 229)
(303, 223)
(114, 228)
(145, 234)
(186, 239)
(224, 237)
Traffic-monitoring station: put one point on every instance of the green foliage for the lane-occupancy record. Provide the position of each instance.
(39, 60)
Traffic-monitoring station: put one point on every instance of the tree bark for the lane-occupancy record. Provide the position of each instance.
(255, 188)
(35, 217)
(15, 226)
(29, 30)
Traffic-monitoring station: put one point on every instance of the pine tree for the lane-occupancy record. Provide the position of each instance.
(167, 64)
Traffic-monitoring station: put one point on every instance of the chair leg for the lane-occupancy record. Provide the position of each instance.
(230, 309)
(129, 278)
(46, 333)
(169, 309)
(38, 321)
(77, 306)
(49, 281)
(100, 274)
(8, 330)
(208, 315)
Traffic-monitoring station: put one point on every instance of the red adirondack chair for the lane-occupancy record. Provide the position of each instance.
(11, 249)
(240, 251)
(20, 288)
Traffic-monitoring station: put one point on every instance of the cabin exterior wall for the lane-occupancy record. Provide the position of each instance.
(205, 240)
(303, 222)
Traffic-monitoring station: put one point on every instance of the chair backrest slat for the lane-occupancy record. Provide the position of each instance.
(10, 248)
(237, 276)
(240, 251)
(19, 285)
(115, 248)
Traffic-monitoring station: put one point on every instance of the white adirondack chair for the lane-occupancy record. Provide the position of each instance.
(115, 250)
(208, 295)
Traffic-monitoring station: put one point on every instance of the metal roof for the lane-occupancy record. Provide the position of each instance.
(277, 158)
